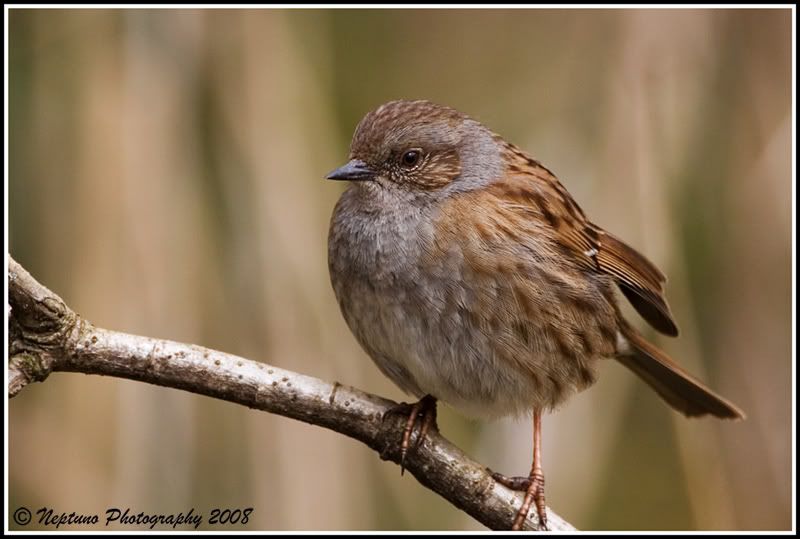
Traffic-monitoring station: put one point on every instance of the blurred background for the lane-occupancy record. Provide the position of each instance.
(166, 179)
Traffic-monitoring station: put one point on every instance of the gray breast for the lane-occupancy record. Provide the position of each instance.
(411, 318)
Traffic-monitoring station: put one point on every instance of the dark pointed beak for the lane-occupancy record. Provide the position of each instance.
(354, 170)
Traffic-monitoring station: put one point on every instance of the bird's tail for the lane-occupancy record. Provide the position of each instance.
(680, 389)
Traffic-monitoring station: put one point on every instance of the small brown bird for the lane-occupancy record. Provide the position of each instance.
(469, 275)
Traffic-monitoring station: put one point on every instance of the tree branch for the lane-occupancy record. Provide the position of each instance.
(46, 336)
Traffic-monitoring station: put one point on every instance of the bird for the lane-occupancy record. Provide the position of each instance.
(470, 276)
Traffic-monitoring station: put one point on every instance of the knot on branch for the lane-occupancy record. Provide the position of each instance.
(38, 319)
(40, 328)
(44, 323)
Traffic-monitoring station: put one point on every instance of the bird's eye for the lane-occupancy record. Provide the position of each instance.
(411, 158)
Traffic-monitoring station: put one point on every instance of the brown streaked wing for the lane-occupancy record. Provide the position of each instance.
(638, 278)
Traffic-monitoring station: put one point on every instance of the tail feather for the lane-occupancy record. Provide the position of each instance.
(676, 386)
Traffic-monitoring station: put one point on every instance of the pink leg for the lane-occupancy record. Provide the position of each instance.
(533, 485)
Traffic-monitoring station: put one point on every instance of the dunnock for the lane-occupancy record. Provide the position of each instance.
(470, 275)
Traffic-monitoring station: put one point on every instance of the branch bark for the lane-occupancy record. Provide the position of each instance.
(47, 336)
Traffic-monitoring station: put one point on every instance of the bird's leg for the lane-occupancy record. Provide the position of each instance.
(425, 408)
(533, 485)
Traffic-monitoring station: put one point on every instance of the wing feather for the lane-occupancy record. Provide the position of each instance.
(639, 279)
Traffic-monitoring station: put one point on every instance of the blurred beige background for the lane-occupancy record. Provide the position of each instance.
(165, 178)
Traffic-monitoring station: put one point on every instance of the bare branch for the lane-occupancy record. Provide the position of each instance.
(46, 336)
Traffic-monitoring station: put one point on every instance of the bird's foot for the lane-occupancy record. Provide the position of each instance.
(424, 409)
(533, 487)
